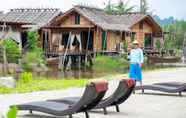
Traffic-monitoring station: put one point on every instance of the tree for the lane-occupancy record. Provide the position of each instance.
(32, 38)
(123, 7)
(176, 34)
(119, 8)
(9, 52)
(144, 7)
(109, 9)
(13, 51)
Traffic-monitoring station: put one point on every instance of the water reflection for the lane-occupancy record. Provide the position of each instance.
(85, 72)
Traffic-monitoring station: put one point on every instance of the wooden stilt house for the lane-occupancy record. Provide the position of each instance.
(87, 29)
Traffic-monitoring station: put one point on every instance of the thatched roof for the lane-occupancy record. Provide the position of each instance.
(109, 22)
(39, 17)
(1, 15)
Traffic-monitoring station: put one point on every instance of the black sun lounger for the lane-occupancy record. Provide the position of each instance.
(163, 88)
(121, 94)
(174, 84)
(93, 94)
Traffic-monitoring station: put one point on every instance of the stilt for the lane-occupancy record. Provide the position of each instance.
(133, 91)
(86, 58)
(90, 60)
(105, 111)
(68, 45)
(117, 108)
(79, 62)
(86, 114)
(60, 63)
(69, 63)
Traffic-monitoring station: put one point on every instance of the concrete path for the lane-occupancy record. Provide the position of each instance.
(151, 105)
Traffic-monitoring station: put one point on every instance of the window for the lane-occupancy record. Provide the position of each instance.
(148, 43)
(133, 35)
(64, 40)
(77, 19)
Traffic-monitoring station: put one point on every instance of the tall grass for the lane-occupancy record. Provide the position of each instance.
(110, 64)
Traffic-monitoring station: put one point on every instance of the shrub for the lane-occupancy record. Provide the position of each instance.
(32, 38)
(125, 46)
(12, 50)
(110, 64)
(12, 112)
(158, 44)
(32, 59)
(26, 77)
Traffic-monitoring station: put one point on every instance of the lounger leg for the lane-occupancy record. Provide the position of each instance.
(86, 114)
(105, 110)
(134, 91)
(142, 89)
(180, 94)
(70, 116)
(30, 111)
(117, 108)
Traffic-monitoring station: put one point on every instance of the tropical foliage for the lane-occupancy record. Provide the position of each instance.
(174, 38)
(32, 38)
(34, 56)
(109, 9)
(144, 8)
(32, 60)
(12, 50)
(122, 7)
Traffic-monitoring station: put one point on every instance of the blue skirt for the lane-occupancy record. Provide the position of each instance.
(135, 72)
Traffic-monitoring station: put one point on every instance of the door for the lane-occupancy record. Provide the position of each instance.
(148, 41)
(104, 40)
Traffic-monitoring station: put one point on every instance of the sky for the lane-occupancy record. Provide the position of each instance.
(163, 8)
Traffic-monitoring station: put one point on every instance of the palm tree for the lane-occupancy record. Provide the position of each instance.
(119, 8)
(144, 6)
(109, 9)
(123, 7)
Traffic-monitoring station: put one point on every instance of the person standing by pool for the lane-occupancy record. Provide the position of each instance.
(136, 60)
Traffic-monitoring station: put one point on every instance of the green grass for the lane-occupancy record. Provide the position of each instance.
(41, 84)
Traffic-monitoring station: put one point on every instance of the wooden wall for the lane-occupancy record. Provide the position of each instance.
(140, 33)
(113, 38)
(70, 20)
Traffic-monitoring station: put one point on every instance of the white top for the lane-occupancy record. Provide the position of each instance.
(136, 56)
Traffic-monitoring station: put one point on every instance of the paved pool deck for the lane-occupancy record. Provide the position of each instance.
(149, 105)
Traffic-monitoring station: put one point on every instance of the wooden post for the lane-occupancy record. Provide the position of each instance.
(97, 39)
(5, 62)
(86, 53)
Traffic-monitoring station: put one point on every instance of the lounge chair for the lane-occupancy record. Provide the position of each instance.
(163, 88)
(175, 84)
(121, 94)
(93, 94)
